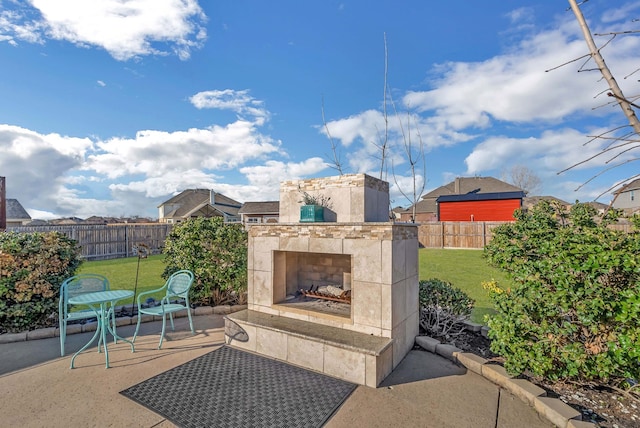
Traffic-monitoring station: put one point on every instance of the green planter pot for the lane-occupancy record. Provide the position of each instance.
(311, 213)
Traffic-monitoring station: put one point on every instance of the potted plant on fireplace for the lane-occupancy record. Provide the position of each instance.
(312, 209)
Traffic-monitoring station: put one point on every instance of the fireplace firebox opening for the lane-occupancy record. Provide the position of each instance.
(316, 282)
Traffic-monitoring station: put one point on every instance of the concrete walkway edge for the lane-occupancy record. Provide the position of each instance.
(48, 332)
(554, 410)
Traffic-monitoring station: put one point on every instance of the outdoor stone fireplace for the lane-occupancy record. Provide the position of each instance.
(340, 296)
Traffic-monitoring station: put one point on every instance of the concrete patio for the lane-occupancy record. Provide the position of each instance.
(38, 389)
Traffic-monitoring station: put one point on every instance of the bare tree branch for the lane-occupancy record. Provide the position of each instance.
(336, 162)
(385, 141)
(619, 145)
(602, 172)
(524, 178)
(414, 160)
(622, 183)
(606, 73)
(600, 153)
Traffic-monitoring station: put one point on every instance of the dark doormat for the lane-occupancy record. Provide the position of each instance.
(233, 388)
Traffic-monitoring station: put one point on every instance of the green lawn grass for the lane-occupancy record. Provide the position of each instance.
(121, 273)
(465, 269)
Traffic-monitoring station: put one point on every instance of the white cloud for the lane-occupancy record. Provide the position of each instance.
(239, 102)
(514, 87)
(21, 23)
(124, 29)
(549, 153)
(170, 182)
(35, 164)
(53, 173)
(368, 126)
(621, 13)
(522, 14)
(271, 173)
(264, 180)
(41, 215)
(154, 153)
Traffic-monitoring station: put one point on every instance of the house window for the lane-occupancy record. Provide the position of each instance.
(632, 195)
(253, 220)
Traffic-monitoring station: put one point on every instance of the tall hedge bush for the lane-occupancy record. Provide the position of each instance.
(216, 252)
(574, 311)
(32, 268)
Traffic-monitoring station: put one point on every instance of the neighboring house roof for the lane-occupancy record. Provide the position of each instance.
(37, 222)
(267, 207)
(67, 220)
(598, 205)
(532, 201)
(424, 206)
(15, 211)
(191, 201)
(462, 186)
(634, 185)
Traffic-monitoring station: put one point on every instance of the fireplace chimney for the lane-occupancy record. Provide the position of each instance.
(456, 188)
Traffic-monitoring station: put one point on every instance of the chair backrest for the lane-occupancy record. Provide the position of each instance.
(179, 283)
(83, 283)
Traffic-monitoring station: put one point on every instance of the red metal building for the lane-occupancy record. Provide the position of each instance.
(479, 206)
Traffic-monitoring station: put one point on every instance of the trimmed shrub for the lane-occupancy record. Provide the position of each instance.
(443, 308)
(573, 311)
(32, 268)
(216, 253)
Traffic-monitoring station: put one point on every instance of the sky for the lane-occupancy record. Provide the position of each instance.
(111, 107)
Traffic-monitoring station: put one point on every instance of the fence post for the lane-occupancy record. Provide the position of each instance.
(484, 234)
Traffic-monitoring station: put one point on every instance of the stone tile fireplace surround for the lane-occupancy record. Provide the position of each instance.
(356, 249)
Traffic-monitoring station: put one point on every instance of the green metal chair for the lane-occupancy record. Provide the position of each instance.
(176, 287)
(78, 284)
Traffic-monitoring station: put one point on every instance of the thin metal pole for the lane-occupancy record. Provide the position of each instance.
(3, 205)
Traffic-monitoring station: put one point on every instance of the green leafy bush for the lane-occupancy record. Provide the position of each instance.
(573, 310)
(32, 268)
(443, 307)
(214, 251)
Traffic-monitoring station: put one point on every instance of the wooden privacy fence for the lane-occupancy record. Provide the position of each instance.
(113, 241)
(456, 234)
(467, 234)
(106, 241)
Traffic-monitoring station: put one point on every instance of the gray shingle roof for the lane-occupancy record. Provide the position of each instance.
(472, 184)
(191, 200)
(16, 211)
(634, 185)
(267, 207)
(531, 201)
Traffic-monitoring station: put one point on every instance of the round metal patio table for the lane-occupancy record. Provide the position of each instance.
(100, 302)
